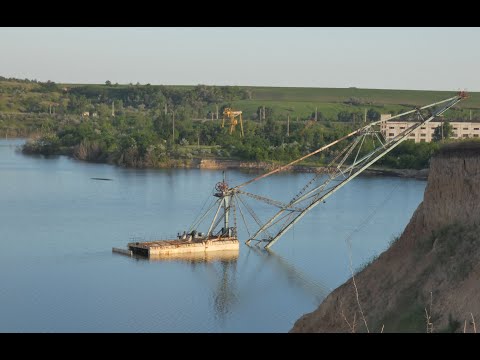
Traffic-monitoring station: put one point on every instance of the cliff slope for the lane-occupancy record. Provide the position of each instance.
(435, 261)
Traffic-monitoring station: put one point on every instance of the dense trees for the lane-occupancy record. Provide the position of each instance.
(155, 125)
(410, 155)
(442, 132)
(373, 115)
(148, 141)
(138, 139)
(344, 116)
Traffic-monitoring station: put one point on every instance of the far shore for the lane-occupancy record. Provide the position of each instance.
(265, 166)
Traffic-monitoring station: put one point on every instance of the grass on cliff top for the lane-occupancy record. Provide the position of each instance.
(452, 258)
(469, 147)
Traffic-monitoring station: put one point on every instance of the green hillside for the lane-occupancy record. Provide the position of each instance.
(151, 125)
(374, 96)
(16, 96)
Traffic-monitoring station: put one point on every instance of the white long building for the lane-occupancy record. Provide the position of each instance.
(461, 130)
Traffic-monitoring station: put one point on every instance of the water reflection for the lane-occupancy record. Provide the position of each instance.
(193, 258)
(221, 264)
(295, 276)
(249, 291)
(222, 267)
(225, 296)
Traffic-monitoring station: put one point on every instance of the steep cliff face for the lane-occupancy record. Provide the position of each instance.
(434, 265)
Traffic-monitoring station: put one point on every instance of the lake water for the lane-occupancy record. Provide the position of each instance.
(58, 227)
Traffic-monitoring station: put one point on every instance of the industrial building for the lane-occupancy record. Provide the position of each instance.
(461, 130)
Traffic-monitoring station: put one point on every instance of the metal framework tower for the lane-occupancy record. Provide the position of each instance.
(228, 113)
(225, 210)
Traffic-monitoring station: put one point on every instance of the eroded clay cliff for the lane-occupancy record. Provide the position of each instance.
(435, 261)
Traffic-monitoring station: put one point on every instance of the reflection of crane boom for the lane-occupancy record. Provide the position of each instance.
(232, 115)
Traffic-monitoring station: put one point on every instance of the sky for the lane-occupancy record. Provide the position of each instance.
(384, 58)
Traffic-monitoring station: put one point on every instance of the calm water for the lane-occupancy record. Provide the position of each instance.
(58, 226)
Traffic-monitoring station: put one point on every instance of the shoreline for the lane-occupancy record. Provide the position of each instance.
(252, 166)
(216, 164)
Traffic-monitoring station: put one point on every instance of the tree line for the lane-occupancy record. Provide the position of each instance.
(152, 126)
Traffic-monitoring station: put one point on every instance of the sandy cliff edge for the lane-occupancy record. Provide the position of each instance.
(435, 260)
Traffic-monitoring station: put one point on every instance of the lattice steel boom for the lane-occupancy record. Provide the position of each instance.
(349, 163)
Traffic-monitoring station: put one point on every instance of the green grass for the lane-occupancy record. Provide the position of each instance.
(11, 85)
(296, 95)
(375, 96)
(408, 314)
(295, 101)
(453, 325)
(123, 86)
(365, 264)
(302, 102)
(304, 109)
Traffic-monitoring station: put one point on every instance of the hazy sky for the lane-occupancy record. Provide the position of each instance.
(391, 58)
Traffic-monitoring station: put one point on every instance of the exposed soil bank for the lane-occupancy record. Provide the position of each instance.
(435, 261)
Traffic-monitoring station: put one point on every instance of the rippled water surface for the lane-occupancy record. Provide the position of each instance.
(58, 227)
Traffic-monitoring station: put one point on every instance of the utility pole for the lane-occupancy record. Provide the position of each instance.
(173, 126)
(288, 125)
(217, 110)
(263, 112)
(365, 116)
(113, 108)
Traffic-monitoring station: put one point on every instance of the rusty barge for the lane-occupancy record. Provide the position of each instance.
(219, 237)
(184, 246)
